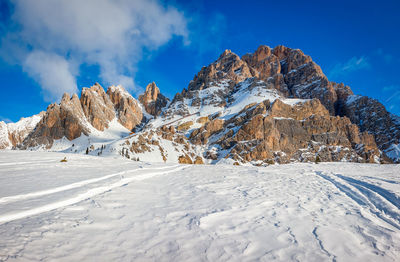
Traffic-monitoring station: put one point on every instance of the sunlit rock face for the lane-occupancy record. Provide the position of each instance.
(152, 100)
(66, 119)
(97, 107)
(127, 108)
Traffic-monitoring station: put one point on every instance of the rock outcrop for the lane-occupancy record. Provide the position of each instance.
(152, 100)
(97, 106)
(279, 132)
(66, 119)
(228, 66)
(371, 116)
(128, 110)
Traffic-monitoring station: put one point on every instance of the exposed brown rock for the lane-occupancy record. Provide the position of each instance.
(299, 111)
(185, 159)
(203, 120)
(228, 66)
(201, 135)
(304, 128)
(265, 65)
(371, 116)
(199, 161)
(184, 126)
(97, 107)
(152, 100)
(128, 110)
(66, 119)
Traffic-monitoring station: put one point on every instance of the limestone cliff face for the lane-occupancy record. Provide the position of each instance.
(97, 107)
(152, 100)
(371, 116)
(267, 67)
(279, 132)
(66, 119)
(128, 110)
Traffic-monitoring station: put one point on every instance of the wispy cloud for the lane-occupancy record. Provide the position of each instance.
(52, 39)
(391, 88)
(393, 97)
(352, 65)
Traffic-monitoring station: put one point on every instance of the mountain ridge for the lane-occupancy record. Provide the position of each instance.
(274, 105)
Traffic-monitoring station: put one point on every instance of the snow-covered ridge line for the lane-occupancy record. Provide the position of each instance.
(18, 130)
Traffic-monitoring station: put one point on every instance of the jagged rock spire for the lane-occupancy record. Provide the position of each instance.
(152, 100)
(127, 108)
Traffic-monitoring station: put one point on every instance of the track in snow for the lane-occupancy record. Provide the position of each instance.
(383, 203)
(4, 218)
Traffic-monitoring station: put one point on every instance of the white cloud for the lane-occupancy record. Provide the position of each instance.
(352, 65)
(52, 72)
(110, 33)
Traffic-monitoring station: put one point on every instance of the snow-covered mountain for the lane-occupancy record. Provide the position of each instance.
(13, 134)
(274, 105)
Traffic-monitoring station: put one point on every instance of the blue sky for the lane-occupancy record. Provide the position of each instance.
(48, 48)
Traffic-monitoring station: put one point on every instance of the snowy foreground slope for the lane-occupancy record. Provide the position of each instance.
(105, 209)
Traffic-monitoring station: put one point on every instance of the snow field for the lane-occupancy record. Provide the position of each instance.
(106, 209)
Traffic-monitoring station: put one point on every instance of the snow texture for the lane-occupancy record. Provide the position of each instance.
(109, 209)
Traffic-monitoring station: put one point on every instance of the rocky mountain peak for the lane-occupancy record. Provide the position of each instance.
(97, 106)
(262, 53)
(228, 67)
(151, 93)
(65, 98)
(152, 100)
(128, 110)
(281, 51)
(226, 53)
(66, 119)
